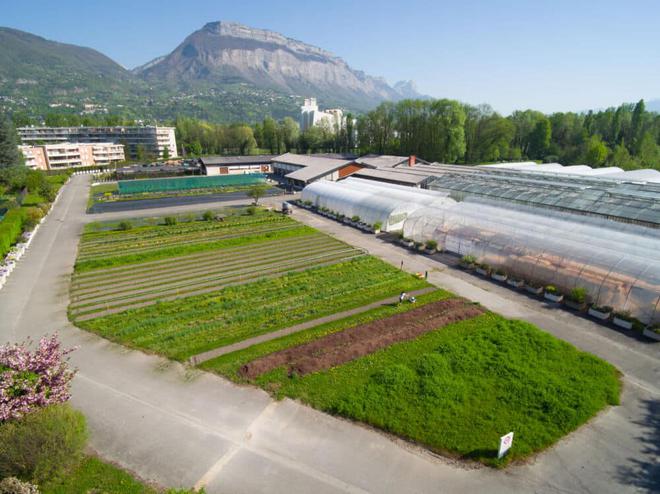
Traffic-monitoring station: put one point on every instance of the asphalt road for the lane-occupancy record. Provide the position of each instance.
(164, 202)
(182, 427)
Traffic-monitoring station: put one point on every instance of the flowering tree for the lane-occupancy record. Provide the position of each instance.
(31, 380)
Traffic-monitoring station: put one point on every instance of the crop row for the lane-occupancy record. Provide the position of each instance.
(239, 267)
(128, 257)
(219, 256)
(115, 236)
(185, 327)
(128, 299)
(181, 240)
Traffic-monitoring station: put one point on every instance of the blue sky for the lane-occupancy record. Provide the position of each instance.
(548, 55)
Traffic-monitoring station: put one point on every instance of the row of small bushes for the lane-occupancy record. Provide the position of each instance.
(355, 219)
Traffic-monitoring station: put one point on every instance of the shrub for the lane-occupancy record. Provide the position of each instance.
(30, 380)
(431, 244)
(43, 444)
(11, 227)
(468, 259)
(500, 272)
(378, 225)
(208, 216)
(400, 235)
(551, 289)
(170, 220)
(577, 295)
(602, 308)
(251, 211)
(124, 225)
(12, 485)
(32, 216)
(355, 219)
(624, 315)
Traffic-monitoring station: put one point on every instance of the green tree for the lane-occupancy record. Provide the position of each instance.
(539, 139)
(648, 151)
(290, 133)
(621, 157)
(596, 151)
(271, 136)
(256, 192)
(166, 153)
(9, 153)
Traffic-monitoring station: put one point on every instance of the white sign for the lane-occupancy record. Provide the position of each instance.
(505, 444)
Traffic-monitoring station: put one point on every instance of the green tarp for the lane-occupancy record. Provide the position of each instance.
(188, 183)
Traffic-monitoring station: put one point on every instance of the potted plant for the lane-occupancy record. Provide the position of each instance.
(600, 312)
(552, 294)
(483, 269)
(623, 319)
(515, 283)
(576, 299)
(408, 243)
(431, 247)
(377, 226)
(418, 245)
(534, 288)
(468, 262)
(355, 219)
(653, 332)
(499, 275)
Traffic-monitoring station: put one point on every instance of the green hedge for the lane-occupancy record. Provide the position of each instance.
(11, 228)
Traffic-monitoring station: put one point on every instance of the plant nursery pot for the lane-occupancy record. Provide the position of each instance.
(575, 305)
(498, 277)
(430, 251)
(376, 231)
(410, 245)
(515, 283)
(482, 271)
(603, 316)
(622, 323)
(651, 334)
(552, 297)
(534, 290)
(467, 267)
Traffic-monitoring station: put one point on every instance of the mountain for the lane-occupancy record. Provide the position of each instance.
(223, 72)
(38, 70)
(226, 52)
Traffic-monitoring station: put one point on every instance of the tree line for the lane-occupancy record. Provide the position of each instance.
(448, 131)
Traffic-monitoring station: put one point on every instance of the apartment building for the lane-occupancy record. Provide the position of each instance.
(146, 140)
(71, 155)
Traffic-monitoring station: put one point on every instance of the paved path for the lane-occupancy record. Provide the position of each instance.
(182, 427)
(241, 345)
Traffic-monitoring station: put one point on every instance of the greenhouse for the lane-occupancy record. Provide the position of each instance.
(618, 264)
(188, 183)
(372, 202)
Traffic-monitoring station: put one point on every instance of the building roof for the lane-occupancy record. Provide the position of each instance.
(386, 161)
(260, 159)
(311, 166)
(393, 175)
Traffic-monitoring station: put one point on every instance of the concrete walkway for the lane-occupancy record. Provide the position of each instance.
(182, 427)
(241, 345)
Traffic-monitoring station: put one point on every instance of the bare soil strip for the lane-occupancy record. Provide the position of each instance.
(350, 344)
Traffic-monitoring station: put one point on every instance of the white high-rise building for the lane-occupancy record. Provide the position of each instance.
(310, 115)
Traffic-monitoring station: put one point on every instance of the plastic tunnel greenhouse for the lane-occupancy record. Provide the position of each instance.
(617, 263)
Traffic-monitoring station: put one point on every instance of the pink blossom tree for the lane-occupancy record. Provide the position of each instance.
(30, 380)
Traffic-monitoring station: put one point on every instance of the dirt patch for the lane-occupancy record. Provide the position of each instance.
(344, 346)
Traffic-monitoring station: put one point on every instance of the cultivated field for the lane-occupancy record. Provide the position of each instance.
(184, 289)
(454, 389)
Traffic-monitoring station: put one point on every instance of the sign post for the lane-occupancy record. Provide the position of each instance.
(505, 445)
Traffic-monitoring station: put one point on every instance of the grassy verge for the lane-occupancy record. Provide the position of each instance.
(96, 476)
(458, 389)
(188, 326)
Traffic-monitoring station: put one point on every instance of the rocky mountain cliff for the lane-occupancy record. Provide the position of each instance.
(224, 52)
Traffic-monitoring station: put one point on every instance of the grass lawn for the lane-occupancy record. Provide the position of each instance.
(95, 476)
(184, 327)
(455, 390)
